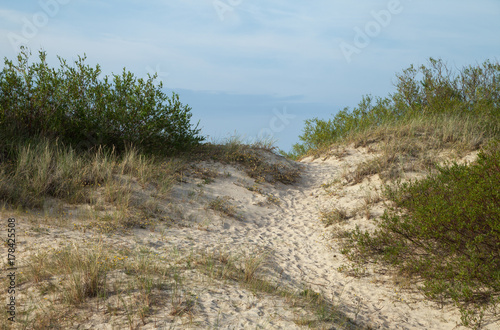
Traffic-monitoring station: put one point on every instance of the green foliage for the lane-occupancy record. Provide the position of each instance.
(428, 91)
(74, 105)
(444, 229)
(319, 133)
(475, 89)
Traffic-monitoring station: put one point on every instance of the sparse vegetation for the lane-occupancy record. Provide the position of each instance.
(443, 109)
(270, 198)
(334, 216)
(76, 275)
(247, 271)
(223, 206)
(250, 158)
(118, 145)
(444, 230)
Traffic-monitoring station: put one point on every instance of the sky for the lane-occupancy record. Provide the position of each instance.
(252, 68)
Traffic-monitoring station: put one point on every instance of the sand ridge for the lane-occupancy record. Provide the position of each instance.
(281, 222)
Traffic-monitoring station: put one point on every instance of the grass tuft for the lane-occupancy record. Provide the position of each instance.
(334, 216)
(223, 206)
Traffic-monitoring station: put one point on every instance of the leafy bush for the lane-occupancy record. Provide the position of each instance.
(444, 229)
(74, 105)
(429, 91)
(475, 89)
(319, 133)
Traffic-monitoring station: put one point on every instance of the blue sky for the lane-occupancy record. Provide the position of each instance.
(254, 67)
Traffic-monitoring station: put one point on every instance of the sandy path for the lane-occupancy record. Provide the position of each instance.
(301, 255)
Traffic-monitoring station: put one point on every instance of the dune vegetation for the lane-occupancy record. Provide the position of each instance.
(70, 137)
(101, 154)
(444, 107)
(442, 231)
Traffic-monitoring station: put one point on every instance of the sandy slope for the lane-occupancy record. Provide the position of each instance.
(303, 252)
(300, 252)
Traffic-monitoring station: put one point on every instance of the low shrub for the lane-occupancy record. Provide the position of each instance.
(445, 230)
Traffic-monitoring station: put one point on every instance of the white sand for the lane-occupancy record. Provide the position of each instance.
(300, 251)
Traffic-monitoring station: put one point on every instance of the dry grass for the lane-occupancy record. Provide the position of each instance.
(223, 206)
(48, 169)
(337, 215)
(68, 281)
(112, 194)
(249, 158)
(415, 145)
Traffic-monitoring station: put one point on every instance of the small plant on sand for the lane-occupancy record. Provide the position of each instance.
(272, 199)
(222, 205)
(337, 215)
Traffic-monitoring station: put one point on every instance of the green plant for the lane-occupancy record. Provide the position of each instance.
(81, 109)
(444, 229)
(320, 133)
(471, 94)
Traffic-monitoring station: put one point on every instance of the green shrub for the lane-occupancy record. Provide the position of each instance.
(74, 105)
(444, 229)
(429, 91)
(319, 133)
(475, 89)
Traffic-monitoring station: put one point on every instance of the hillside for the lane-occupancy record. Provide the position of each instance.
(220, 250)
(118, 214)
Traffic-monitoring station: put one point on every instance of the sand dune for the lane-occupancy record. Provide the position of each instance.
(281, 224)
(301, 249)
